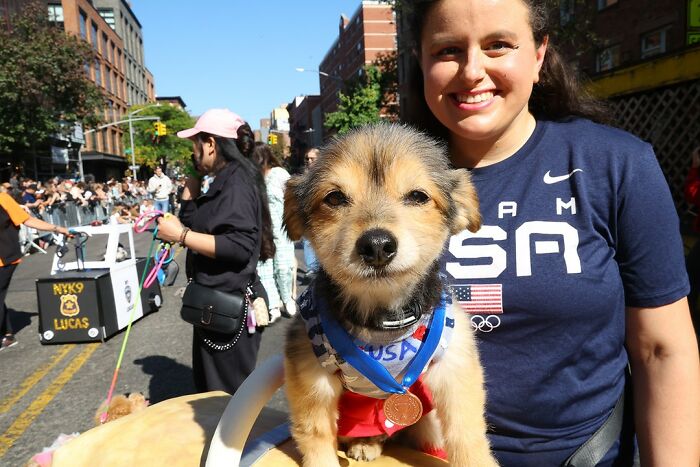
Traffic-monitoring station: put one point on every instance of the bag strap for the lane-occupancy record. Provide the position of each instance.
(594, 449)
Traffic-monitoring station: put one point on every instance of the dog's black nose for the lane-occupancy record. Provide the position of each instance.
(377, 247)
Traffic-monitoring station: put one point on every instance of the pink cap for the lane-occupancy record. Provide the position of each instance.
(219, 122)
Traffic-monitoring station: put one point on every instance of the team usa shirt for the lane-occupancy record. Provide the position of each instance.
(577, 225)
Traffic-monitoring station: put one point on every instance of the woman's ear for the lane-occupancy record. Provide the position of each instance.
(209, 145)
(540, 54)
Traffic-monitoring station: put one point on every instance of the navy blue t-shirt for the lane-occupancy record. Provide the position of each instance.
(578, 224)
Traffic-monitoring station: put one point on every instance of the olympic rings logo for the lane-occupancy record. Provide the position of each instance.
(485, 324)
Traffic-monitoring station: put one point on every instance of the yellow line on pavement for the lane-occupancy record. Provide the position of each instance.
(34, 378)
(25, 419)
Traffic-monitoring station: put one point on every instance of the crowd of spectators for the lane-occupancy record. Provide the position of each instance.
(123, 200)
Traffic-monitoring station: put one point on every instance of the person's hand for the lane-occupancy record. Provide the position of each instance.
(169, 228)
(696, 158)
(63, 231)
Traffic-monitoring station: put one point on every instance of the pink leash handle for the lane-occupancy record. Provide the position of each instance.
(154, 272)
(150, 216)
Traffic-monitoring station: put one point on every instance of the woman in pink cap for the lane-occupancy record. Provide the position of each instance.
(227, 229)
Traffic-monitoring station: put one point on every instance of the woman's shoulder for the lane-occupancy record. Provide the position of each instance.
(587, 132)
(279, 173)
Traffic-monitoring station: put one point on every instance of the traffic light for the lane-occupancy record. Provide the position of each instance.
(159, 129)
(272, 139)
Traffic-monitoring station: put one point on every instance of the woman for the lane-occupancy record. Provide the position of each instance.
(277, 274)
(12, 215)
(579, 244)
(224, 232)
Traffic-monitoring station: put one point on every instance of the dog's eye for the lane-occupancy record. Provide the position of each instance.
(416, 197)
(335, 198)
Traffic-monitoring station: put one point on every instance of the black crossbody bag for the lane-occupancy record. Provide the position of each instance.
(213, 310)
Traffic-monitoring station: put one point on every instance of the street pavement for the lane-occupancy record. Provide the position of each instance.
(46, 390)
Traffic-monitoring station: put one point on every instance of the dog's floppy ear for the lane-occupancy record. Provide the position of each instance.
(467, 215)
(293, 216)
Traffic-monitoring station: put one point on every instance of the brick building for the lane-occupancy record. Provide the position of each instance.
(369, 32)
(626, 32)
(107, 70)
(102, 149)
(305, 128)
(120, 17)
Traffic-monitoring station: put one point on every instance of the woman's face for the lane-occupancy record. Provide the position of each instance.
(479, 63)
(204, 154)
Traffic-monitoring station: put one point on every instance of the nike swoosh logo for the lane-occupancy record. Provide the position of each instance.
(548, 179)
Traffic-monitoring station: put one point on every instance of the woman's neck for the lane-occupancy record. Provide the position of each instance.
(470, 153)
(219, 164)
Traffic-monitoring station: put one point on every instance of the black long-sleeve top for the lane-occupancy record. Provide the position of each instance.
(230, 211)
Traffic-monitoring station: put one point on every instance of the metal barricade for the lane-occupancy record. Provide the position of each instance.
(64, 214)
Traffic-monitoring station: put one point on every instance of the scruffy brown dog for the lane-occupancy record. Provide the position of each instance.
(120, 406)
(378, 206)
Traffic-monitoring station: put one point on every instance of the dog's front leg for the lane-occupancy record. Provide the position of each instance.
(313, 396)
(457, 385)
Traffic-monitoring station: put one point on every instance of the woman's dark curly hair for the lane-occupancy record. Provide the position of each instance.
(558, 95)
(240, 150)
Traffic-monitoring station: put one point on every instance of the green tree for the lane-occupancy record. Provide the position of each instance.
(43, 86)
(148, 149)
(361, 105)
(387, 63)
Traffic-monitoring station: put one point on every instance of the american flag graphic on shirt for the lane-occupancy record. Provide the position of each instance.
(480, 298)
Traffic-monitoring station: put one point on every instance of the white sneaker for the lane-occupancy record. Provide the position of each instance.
(290, 307)
(275, 314)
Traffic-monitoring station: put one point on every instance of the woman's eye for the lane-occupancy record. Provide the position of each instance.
(447, 51)
(416, 197)
(335, 198)
(499, 47)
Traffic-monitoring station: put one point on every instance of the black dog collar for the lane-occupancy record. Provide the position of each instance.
(405, 317)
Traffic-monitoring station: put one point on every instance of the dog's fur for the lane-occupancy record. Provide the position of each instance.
(396, 179)
(120, 406)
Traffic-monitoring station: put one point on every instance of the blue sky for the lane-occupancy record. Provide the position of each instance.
(238, 54)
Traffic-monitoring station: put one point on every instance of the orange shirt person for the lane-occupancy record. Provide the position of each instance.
(12, 215)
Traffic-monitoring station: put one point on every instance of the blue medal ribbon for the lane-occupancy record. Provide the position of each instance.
(375, 371)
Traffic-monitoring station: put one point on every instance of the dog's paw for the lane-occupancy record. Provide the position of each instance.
(365, 449)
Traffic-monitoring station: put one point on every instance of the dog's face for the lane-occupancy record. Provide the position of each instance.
(378, 206)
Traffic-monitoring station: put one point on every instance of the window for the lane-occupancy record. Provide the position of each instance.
(113, 142)
(87, 70)
(105, 41)
(108, 79)
(608, 58)
(83, 28)
(93, 37)
(98, 73)
(603, 4)
(566, 11)
(108, 15)
(56, 14)
(654, 43)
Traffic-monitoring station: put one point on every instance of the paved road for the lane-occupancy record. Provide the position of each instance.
(46, 390)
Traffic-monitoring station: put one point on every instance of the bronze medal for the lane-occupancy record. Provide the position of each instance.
(403, 409)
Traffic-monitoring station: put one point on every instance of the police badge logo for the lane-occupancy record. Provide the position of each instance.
(69, 305)
(127, 292)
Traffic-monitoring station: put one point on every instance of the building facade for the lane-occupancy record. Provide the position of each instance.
(625, 32)
(139, 81)
(370, 31)
(102, 150)
(305, 128)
